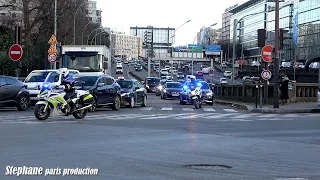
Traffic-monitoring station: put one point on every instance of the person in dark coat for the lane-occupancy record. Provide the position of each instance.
(284, 94)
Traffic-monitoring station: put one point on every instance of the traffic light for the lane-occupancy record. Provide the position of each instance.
(281, 39)
(262, 36)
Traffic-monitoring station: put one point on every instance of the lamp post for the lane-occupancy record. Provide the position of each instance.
(174, 34)
(96, 36)
(276, 65)
(193, 43)
(74, 23)
(55, 28)
(83, 31)
(91, 33)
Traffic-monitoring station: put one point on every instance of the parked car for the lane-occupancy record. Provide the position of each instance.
(151, 83)
(132, 93)
(104, 88)
(13, 93)
(36, 78)
(171, 90)
(227, 74)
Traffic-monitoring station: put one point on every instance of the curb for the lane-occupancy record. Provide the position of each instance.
(285, 111)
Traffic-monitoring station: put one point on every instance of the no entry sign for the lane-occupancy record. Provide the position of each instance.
(15, 52)
(266, 53)
(266, 75)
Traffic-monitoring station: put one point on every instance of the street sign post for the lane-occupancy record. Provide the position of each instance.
(266, 53)
(266, 75)
(52, 57)
(15, 52)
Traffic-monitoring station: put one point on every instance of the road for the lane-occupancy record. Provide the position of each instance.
(163, 141)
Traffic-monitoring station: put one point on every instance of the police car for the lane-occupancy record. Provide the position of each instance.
(132, 92)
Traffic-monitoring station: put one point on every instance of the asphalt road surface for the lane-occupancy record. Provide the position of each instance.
(165, 140)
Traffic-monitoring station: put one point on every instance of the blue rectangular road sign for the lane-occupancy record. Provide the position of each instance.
(194, 45)
(213, 49)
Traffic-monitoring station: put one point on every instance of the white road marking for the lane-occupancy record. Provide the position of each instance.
(291, 115)
(60, 122)
(268, 115)
(230, 110)
(273, 119)
(243, 120)
(161, 116)
(245, 116)
(23, 122)
(291, 179)
(187, 109)
(209, 110)
(146, 108)
(166, 109)
(216, 116)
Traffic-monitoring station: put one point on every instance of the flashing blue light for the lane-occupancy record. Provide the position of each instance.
(199, 84)
(185, 87)
(46, 85)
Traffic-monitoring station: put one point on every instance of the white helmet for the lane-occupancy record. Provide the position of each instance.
(64, 72)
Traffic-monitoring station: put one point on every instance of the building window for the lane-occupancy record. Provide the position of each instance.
(90, 12)
(90, 5)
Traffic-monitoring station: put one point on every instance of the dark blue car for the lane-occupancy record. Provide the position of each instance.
(171, 90)
(132, 93)
(151, 84)
(104, 88)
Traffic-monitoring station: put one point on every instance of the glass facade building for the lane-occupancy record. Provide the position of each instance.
(307, 14)
(162, 37)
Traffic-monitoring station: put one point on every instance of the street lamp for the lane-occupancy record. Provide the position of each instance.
(92, 32)
(55, 28)
(83, 31)
(97, 35)
(74, 23)
(174, 34)
(194, 42)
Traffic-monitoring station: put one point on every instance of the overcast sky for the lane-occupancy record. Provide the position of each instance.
(123, 14)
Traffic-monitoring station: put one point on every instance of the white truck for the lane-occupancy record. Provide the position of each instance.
(119, 69)
(87, 58)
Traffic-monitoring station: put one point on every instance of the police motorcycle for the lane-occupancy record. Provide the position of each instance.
(51, 98)
(194, 96)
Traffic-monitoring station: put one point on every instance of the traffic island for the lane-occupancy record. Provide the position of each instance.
(306, 107)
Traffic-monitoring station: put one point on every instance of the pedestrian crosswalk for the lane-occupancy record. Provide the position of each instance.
(212, 116)
(187, 109)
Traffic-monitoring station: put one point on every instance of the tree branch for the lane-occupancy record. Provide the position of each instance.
(5, 6)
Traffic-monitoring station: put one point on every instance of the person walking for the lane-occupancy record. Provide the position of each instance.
(284, 94)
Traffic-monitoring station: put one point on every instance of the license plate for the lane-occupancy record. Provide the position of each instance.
(175, 94)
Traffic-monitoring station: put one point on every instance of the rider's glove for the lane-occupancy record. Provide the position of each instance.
(68, 86)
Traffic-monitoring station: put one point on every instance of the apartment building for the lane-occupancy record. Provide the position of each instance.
(93, 13)
(126, 45)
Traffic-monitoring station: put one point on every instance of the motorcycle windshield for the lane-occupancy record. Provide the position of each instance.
(52, 78)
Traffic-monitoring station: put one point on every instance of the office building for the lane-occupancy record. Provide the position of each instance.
(93, 13)
(305, 11)
(207, 35)
(126, 45)
(226, 16)
(162, 39)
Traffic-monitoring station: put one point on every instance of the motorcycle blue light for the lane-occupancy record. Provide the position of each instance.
(185, 87)
(199, 84)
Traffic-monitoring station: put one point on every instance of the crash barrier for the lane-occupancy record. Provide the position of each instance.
(298, 92)
(135, 76)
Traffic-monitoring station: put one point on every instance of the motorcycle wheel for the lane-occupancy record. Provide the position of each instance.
(39, 113)
(196, 104)
(80, 114)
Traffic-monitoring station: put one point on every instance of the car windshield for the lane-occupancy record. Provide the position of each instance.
(204, 85)
(85, 80)
(173, 85)
(153, 81)
(37, 77)
(119, 67)
(125, 84)
(223, 79)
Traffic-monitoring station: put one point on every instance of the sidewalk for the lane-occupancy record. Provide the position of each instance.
(300, 107)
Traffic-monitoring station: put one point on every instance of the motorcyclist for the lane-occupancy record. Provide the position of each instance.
(68, 81)
(192, 83)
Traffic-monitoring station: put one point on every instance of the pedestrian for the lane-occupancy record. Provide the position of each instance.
(284, 94)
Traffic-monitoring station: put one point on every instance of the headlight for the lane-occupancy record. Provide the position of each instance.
(160, 87)
(165, 91)
(147, 86)
(209, 94)
(125, 94)
(193, 93)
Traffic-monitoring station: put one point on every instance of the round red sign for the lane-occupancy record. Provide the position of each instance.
(15, 52)
(266, 53)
